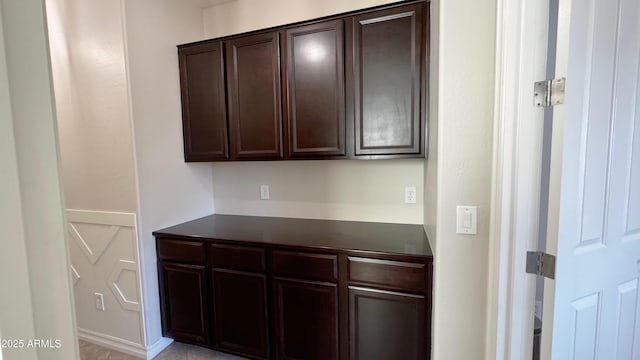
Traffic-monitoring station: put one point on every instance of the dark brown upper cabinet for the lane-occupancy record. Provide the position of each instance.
(255, 121)
(387, 80)
(204, 116)
(348, 86)
(314, 90)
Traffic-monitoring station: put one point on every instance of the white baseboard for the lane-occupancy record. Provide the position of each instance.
(113, 343)
(157, 347)
(124, 346)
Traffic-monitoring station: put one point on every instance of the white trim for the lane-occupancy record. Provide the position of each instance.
(520, 46)
(555, 174)
(500, 195)
(125, 346)
(101, 217)
(139, 249)
(113, 343)
(112, 283)
(506, 95)
(158, 347)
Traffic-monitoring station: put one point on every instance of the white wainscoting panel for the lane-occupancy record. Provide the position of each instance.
(104, 259)
(75, 277)
(113, 342)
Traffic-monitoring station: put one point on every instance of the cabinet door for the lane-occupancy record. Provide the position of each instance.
(204, 115)
(306, 319)
(184, 302)
(240, 311)
(384, 325)
(388, 64)
(255, 121)
(315, 116)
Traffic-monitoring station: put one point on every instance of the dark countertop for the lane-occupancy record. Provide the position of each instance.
(386, 238)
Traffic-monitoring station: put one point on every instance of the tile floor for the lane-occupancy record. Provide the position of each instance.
(175, 351)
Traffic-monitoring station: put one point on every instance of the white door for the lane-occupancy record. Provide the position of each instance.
(592, 309)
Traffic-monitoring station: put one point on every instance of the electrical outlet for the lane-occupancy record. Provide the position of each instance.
(264, 192)
(410, 195)
(99, 298)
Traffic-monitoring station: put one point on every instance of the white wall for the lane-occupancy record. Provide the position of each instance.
(96, 149)
(431, 163)
(87, 55)
(33, 204)
(169, 190)
(466, 37)
(16, 312)
(238, 16)
(337, 189)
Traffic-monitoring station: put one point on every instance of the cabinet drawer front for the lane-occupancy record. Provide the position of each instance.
(237, 257)
(306, 265)
(385, 274)
(181, 250)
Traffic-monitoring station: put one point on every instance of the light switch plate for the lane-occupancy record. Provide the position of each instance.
(467, 220)
(264, 192)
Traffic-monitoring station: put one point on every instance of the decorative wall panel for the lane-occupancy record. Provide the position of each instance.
(104, 259)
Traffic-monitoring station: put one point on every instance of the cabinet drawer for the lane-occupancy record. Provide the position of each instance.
(237, 257)
(181, 250)
(385, 274)
(306, 265)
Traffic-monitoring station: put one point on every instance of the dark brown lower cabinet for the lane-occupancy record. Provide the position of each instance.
(185, 316)
(240, 312)
(386, 325)
(265, 300)
(306, 319)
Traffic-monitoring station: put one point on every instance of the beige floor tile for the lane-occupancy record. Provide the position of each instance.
(198, 353)
(90, 351)
(175, 351)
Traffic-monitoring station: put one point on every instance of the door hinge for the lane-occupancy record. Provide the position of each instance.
(549, 92)
(541, 263)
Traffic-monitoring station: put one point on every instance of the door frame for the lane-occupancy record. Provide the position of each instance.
(555, 172)
(515, 196)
